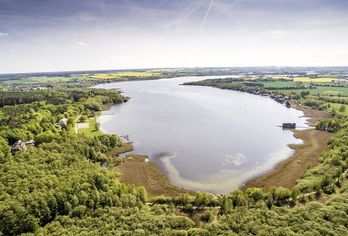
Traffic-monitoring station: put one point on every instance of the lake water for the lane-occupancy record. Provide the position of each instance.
(203, 138)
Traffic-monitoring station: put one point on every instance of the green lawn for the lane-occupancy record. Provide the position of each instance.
(279, 84)
(331, 91)
(91, 131)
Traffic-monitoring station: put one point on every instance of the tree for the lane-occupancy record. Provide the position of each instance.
(15, 219)
(280, 195)
(79, 211)
(333, 111)
(255, 193)
(238, 199)
(83, 118)
(342, 108)
(226, 205)
(5, 151)
(97, 125)
(269, 202)
(115, 141)
(142, 194)
(45, 137)
(304, 94)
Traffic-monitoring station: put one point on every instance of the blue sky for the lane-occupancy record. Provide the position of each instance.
(52, 35)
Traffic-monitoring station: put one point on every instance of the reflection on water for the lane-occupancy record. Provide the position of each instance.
(203, 138)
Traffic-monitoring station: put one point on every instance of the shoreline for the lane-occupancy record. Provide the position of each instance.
(305, 156)
(284, 174)
(138, 170)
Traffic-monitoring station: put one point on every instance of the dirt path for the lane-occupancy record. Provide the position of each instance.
(76, 123)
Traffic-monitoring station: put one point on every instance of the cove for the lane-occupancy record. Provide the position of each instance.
(203, 139)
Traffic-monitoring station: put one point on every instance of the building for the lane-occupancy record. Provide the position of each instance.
(289, 125)
(63, 121)
(20, 145)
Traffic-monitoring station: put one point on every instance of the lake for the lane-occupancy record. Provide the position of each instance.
(203, 138)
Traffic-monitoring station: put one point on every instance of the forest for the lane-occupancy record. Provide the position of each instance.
(66, 183)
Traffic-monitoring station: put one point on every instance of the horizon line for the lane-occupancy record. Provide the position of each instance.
(159, 68)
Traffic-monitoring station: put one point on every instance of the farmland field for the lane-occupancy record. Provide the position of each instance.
(142, 74)
(313, 80)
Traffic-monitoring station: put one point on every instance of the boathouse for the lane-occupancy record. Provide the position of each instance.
(289, 125)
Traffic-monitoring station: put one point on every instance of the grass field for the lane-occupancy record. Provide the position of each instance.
(332, 91)
(280, 77)
(91, 131)
(279, 84)
(305, 79)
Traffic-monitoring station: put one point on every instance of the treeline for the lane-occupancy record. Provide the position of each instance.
(340, 100)
(244, 84)
(329, 175)
(57, 96)
(331, 125)
(315, 104)
(313, 219)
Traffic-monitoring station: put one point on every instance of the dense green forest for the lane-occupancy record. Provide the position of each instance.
(65, 184)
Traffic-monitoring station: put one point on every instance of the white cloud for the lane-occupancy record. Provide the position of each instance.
(82, 44)
(3, 34)
(12, 50)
